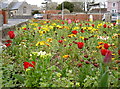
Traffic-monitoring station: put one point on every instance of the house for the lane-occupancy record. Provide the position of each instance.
(16, 8)
(19, 8)
(113, 6)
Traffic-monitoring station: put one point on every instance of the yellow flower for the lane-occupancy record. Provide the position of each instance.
(113, 58)
(100, 47)
(71, 35)
(99, 43)
(82, 37)
(59, 74)
(75, 28)
(66, 56)
(64, 39)
(28, 69)
(34, 28)
(49, 40)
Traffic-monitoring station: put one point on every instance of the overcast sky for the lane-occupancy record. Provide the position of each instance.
(38, 2)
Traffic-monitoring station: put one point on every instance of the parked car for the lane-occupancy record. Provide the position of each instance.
(113, 16)
(38, 16)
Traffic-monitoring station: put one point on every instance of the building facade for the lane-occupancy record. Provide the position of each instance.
(113, 6)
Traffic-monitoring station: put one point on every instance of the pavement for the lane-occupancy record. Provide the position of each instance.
(13, 22)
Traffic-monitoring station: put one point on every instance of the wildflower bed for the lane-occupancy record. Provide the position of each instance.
(57, 53)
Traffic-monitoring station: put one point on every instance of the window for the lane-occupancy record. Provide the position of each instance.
(114, 11)
(113, 4)
(24, 9)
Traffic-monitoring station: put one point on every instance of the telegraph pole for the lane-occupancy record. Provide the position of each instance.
(62, 10)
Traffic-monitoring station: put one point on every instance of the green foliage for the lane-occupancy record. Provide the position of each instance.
(35, 12)
(67, 5)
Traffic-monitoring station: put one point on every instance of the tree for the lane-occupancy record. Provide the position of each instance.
(67, 5)
(35, 12)
(78, 6)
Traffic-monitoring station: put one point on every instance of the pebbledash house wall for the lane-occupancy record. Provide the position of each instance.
(19, 11)
(110, 6)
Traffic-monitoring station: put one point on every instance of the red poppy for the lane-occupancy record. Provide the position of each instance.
(114, 24)
(39, 28)
(70, 44)
(82, 31)
(85, 39)
(11, 34)
(24, 28)
(119, 51)
(80, 45)
(27, 65)
(103, 51)
(86, 56)
(74, 32)
(79, 64)
(96, 65)
(80, 25)
(93, 25)
(60, 41)
(87, 62)
(104, 25)
(106, 46)
(62, 37)
(8, 41)
(82, 60)
(74, 42)
(108, 57)
(8, 44)
(62, 22)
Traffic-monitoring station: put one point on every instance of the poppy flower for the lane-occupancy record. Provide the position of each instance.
(114, 24)
(104, 25)
(24, 28)
(82, 60)
(62, 22)
(82, 31)
(74, 42)
(11, 34)
(80, 45)
(106, 46)
(80, 25)
(96, 65)
(8, 41)
(119, 51)
(93, 25)
(60, 41)
(79, 64)
(87, 62)
(86, 56)
(8, 44)
(39, 28)
(74, 32)
(85, 39)
(108, 57)
(103, 51)
(27, 64)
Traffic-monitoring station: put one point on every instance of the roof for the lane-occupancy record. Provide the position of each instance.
(16, 5)
(4, 5)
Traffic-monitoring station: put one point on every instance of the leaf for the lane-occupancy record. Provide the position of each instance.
(20, 78)
(104, 80)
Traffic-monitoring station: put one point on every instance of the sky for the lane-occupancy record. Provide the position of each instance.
(38, 2)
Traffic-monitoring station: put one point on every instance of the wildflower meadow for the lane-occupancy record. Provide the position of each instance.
(62, 53)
